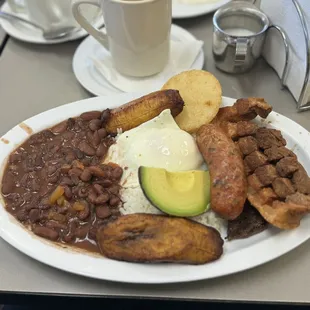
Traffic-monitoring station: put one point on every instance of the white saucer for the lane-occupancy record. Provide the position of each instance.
(180, 10)
(29, 34)
(94, 82)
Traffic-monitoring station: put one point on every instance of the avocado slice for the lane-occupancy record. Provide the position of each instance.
(176, 193)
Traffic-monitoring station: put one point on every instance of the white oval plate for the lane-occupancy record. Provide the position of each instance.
(25, 33)
(180, 10)
(92, 80)
(238, 255)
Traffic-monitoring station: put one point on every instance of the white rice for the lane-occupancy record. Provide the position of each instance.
(134, 201)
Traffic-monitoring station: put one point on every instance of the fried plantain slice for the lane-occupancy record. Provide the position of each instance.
(158, 238)
(138, 111)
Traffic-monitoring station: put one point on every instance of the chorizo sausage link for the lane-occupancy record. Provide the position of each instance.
(228, 181)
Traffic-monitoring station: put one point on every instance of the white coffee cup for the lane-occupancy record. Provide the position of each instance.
(137, 33)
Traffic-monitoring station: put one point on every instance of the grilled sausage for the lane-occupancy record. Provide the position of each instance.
(228, 181)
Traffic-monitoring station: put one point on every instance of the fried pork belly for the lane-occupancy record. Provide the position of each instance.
(278, 185)
(244, 109)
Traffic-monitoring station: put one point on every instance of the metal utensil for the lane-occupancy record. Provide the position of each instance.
(239, 34)
(47, 34)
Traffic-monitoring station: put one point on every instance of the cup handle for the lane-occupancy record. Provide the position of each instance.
(287, 51)
(101, 37)
(241, 51)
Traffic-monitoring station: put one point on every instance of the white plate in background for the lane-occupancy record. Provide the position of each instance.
(180, 10)
(22, 32)
(239, 255)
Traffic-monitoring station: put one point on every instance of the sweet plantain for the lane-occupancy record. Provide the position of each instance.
(158, 238)
(136, 112)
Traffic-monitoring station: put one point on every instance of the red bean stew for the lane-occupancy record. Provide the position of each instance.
(56, 185)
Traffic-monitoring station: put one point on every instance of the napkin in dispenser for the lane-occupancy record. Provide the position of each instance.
(284, 14)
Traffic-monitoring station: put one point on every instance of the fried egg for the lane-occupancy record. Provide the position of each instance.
(158, 143)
